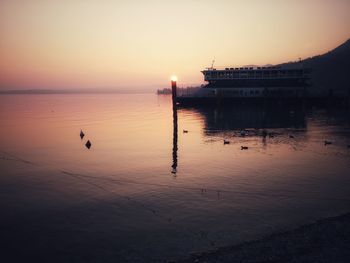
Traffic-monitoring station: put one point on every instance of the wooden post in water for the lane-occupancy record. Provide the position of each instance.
(173, 91)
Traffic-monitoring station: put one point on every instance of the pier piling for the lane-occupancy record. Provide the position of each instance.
(175, 128)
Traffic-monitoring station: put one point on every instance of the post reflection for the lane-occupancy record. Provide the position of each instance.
(175, 136)
(174, 95)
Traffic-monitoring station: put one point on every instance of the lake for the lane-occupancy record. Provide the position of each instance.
(144, 192)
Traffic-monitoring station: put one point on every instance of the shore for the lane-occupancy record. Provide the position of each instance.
(326, 240)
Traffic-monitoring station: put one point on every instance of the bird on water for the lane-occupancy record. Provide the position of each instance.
(81, 134)
(327, 142)
(88, 144)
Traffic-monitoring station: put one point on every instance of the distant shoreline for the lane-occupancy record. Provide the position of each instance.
(74, 91)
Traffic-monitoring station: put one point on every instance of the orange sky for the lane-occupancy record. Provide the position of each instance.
(139, 44)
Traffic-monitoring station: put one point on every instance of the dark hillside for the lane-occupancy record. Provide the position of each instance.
(330, 71)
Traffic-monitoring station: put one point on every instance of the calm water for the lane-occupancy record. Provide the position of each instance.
(137, 196)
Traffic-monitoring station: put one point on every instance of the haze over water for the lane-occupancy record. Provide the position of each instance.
(120, 199)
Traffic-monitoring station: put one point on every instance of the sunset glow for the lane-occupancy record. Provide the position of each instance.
(173, 78)
(133, 44)
(174, 131)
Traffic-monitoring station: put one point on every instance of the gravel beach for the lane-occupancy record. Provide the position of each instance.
(327, 240)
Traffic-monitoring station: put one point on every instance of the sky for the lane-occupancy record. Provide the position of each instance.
(139, 44)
